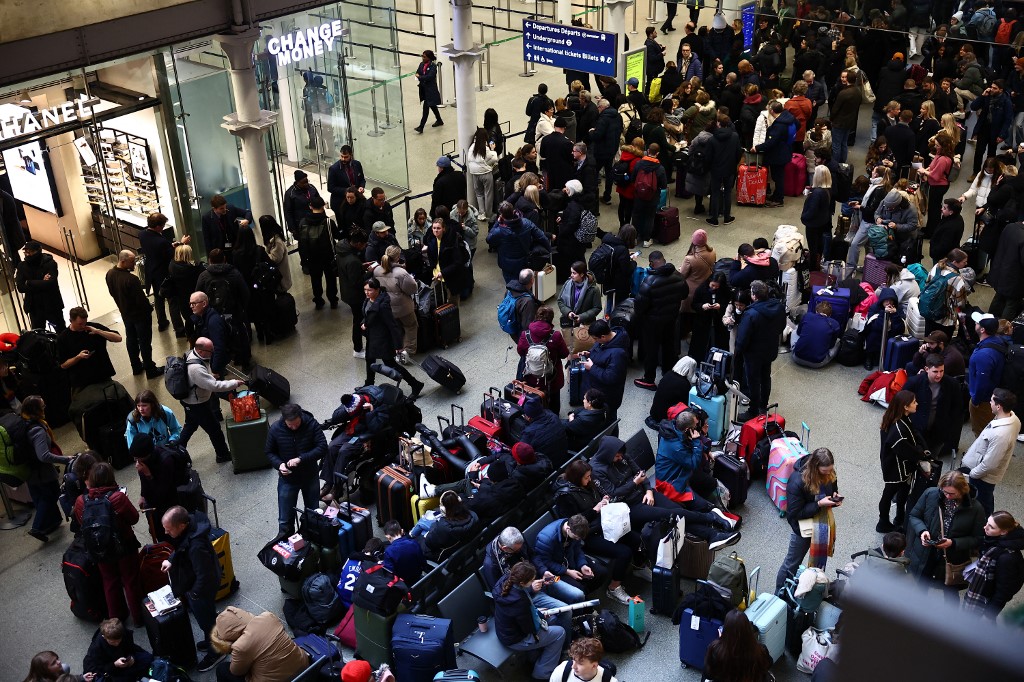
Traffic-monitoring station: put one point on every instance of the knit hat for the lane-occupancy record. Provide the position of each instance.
(699, 238)
(573, 187)
(444, 162)
(969, 276)
(524, 453)
(532, 408)
(899, 55)
(497, 471)
(892, 199)
(299, 175)
(142, 446)
(959, 16)
(356, 671)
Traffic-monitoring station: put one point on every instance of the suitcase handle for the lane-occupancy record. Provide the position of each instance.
(462, 414)
(440, 427)
(755, 577)
(216, 516)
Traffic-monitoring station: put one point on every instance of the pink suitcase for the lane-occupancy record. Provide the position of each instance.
(782, 458)
(795, 176)
(752, 185)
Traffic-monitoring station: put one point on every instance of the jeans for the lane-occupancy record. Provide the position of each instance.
(483, 190)
(840, 139)
(44, 499)
(288, 496)
(759, 383)
(550, 642)
(318, 272)
(857, 243)
(564, 592)
(876, 118)
(798, 547)
(778, 172)
(200, 416)
(643, 219)
(721, 197)
(542, 600)
(986, 495)
(900, 491)
(606, 166)
(138, 340)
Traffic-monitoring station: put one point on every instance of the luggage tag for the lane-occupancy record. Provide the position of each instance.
(695, 622)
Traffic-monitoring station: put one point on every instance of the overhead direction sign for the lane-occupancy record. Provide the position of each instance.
(570, 47)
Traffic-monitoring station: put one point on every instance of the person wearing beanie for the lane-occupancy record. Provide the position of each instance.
(257, 647)
(544, 431)
(529, 467)
(449, 187)
(159, 472)
(297, 200)
(896, 213)
(356, 671)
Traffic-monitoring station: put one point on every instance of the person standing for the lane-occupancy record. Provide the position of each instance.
(988, 458)
(295, 446)
(812, 493)
(199, 412)
(298, 202)
(604, 141)
(649, 178)
(480, 163)
(723, 159)
(42, 478)
(220, 225)
(430, 95)
(158, 249)
(903, 447)
(757, 341)
(136, 314)
(606, 363)
(315, 237)
(276, 246)
(939, 414)
(1006, 274)
(383, 336)
(985, 369)
(937, 177)
(351, 276)
(449, 185)
(995, 117)
(184, 272)
(1000, 572)
(658, 304)
(82, 351)
(401, 287)
(654, 57)
(816, 216)
(37, 280)
(378, 210)
(844, 112)
(778, 150)
(344, 173)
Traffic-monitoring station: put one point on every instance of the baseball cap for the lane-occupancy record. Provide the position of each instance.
(444, 162)
(634, 82)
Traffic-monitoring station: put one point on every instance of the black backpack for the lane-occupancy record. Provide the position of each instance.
(600, 264)
(176, 376)
(379, 590)
(851, 349)
(616, 636)
(266, 277)
(99, 529)
(14, 439)
(181, 460)
(222, 296)
(620, 173)
(83, 583)
(698, 164)
(635, 128)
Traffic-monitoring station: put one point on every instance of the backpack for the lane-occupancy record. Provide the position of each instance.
(71, 488)
(180, 459)
(15, 450)
(222, 296)
(607, 671)
(538, 359)
(620, 173)
(698, 160)
(933, 301)
(982, 25)
(616, 636)
(635, 128)
(655, 93)
(731, 573)
(266, 277)
(176, 376)
(1012, 377)
(843, 182)
(311, 236)
(587, 230)
(321, 600)
(99, 530)
(600, 263)
(1005, 31)
(646, 186)
(508, 320)
(851, 349)
(83, 583)
(882, 240)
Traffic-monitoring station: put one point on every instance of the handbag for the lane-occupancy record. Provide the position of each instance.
(806, 527)
(954, 572)
(671, 546)
(581, 339)
(706, 381)
(615, 521)
(245, 407)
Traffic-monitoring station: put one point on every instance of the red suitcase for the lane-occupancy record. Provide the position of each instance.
(486, 427)
(796, 176)
(754, 430)
(752, 185)
(666, 225)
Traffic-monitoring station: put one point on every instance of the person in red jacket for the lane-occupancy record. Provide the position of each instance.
(121, 574)
(542, 331)
(630, 153)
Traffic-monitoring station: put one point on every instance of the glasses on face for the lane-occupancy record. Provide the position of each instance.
(193, 304)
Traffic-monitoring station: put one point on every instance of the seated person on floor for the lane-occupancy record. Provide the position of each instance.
(887, 303)
(818, 337)
(114, 655)
(403, 555)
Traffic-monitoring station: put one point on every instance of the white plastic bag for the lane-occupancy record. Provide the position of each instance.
(671, 546)
(615, 521)
(816, 644)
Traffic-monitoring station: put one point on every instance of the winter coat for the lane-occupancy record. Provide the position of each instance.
(801, 503)
(126, 290)
(1009, 569)
(817, 210)
(449, 187)
(778, 145)
(554, 552)
(571, 499)
(632, 155)
(513, 613)
(986, 368)
(588, 302)
(194, 566)
(757, 336)
(947, 235)
(800, 107)
(949, 413)
(902, 142)
(426, 84)
(697, 118)
(377, 244)
(697, 183)
(261, 650)
(277, 252)
(584, 427)
(696, 269)
(543, 332)
(527, 209)
(125, 515)
(846, 108)
(400, 286)
(448, 534)
(555, 152)
(219, 230)
(817, 335)
(759, 266)
(546, 434)
(306, 443)
(1005, 273)
(383, 334)
(966, 530)
(101, 656)
(351, 274)
(903, 447)
(226, 271)
(451, 255)
(213, 326)
(905, 216)
(610, 363)
(340, 177)
(568, 248)
(677, 458)
(989, 456)
(513, 240)
(973, 79)
(526, 303)
(185, 277)
(372, 213)
(492, 499)
(661, 296)
(889, 83)
(296, 205)
(615, 479)
(604, 141)
(724, 153)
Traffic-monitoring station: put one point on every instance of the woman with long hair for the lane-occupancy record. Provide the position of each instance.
(401, 287)
(149, 416)
(495, 135)
(383, 335)
(737, 655)
(879, 154)
(1000, 572)
(812, 493)
(456, 525)
(277, 249)
(528, 204)
(46, 666)
(879, 185)
(246, 253)
(579, 301)
(185, 273)
(937, 177)
(945, 527)
(698, 266)
(528, 153)
(817, 216)
(447, 256)
(903, 447)
(418, 225)
(517, 621)
(480, 165)
(542, 331)
(42, 479)
(430, 95)
(925, 126)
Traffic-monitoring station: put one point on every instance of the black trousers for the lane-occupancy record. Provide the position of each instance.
(201, 416)
(390, 362)
(778, 182)
(39, 318)
(898, 491)
(759, 384)
(606, 166)
(427, 108)
(318, 273)
(357, 323)
(660, 344)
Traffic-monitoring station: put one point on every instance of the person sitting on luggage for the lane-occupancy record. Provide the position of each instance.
(544, 431)
(584, 663)
(114, 655)
(885, 306)
(46, 666)
(543, 351)
(674, 388)
(295, 445)
(517, 621)
(938, 342)
(151, 418)
(118, 561)
(583, 424)
(194, 573)
(558, 549)
(158, 487)
(737, 654)
(403, 555)
(575, 493)
(818, 337)
(82, 351)
(455, 527)
(373, 552)
(497, 492)
(259, 647)
(579, 302)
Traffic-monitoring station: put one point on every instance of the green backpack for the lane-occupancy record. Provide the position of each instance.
(882, 239)
(933, 300)
(731, 573)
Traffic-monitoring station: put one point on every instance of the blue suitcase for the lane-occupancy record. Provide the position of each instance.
(638, 277)
(899, 351)
(839, 299)
(695, 634)
(422, 646)
(346, 539)
(576, 370)
(665, 592)
(716, 406)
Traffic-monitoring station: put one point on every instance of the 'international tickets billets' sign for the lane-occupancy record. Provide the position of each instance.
(569, 47)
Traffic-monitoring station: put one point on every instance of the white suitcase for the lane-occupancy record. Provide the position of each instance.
(544, 286)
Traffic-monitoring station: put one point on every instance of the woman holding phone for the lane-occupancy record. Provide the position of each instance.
(812, 493)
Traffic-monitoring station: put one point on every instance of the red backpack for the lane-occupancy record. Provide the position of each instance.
(645, 186)
(1005, 31)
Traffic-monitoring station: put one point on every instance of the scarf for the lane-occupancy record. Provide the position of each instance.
(503, 560)
(823, 541)
(983, 581)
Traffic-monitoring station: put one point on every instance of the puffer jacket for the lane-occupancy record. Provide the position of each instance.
(306, 443)
(800, 502)
(553, 552)
(400, 286)
(547, 435)
(611, 361)
(571, 499)
(513, 613)
(905, 289)
(448, 534)
(261, 650)
(513, 240)
(588, 303)
(697, 118)
(661, 295)
(615, 479)
(758, 333)
(677, 458)
(966, 530)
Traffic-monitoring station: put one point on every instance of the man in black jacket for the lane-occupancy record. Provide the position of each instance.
(194, 572)
(449, 185)
(585, 170)
(37, 280)
(297, 200)
(757, 341)
(535, 106)
(604, 142)
(723, 159)
(220, 224)
(940, 410)
(556, 156)
(315, 236)
(658, 303)
(948, 233)
(228, 294)
(902, 140)
(159, 252)
(136, 314)
(378, 208)
(295, 445)
(544, 431)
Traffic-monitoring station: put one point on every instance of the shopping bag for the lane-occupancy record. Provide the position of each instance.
(615, 521)
(245, 407)
(671, 546)
(816, 644)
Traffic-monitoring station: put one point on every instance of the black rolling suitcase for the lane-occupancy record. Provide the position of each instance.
(359, 517)
(622, 315)
(170, 635)
(270, 385)
(920, 482)
(734, 474)
(444, 372)
(576, 370)
(103, 426)
(665, 591)
(446, 320)
(505, 412)
(83, 583)
(285, 316)
(394, 496)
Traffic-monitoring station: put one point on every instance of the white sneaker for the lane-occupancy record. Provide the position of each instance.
(619, 595)
(1020, 438)
(426, 489)
(648, 244)
(359, 354)
(718, 512)
(644, 573)
(403, 357)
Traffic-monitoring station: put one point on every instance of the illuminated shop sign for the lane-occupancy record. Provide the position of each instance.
(16, 120)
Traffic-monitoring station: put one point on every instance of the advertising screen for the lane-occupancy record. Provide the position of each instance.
(30, 177)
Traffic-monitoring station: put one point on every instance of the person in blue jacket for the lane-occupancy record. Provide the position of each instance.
(517, 622)
(606, 363)
(295, 446)
(985, 369)
(150, 417)
(817, 337)
(888, 302)
(558, 550)
(757, 341)
(544, 431)
(514, 238)
(403, 555)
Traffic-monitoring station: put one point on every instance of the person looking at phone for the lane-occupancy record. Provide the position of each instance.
(875, 331)
(114, 655)
(82, 351)
(812, 493)
(946, 526)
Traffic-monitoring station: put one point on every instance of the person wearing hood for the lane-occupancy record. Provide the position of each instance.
(194, 572)
(575, 493)
(985, 369)
(1000, 569)
(657, 309)
(585, 423)
(817, 337)
(569, 247)
(723, 158)
(383, 336)
(811, 493)
(544, 431)
(517, 622)
(349, 255)
(258, 648)
(817, 216)
(903, 447)
(751, 264)
(295, 445)
(757, 340)
(455, 527)
(946, 526)
(514, 238)
(696, 181)
(605, 365)
(887, 304)
(697, 268)
(699, 115)
(447, 257)
(899, 215)
(777, 149)
(948, 232)
(579, 302)
(989, 456)
(720, 39)
(542, 332)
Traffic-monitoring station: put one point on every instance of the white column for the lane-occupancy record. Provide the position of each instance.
(617, 24)
(249, 122)
(660, 12)
(564, 12)
(464, 53)
(442, 36)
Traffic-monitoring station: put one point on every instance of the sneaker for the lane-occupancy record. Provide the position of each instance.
(426, 489)
(403, 357)
(1020, 438)
(417, 388)
(210, 661)
(419, 129)
(723, 540)
(699, 210)
(730, 523)
(648, 244)
(154, 372)
(711, 221)
(644, 384)
(437, 124)
(619, 595)
(359, 354)
(644, 573)
(729, 220)
(42, 537)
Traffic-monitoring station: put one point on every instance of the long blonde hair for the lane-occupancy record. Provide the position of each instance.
(948, 124)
